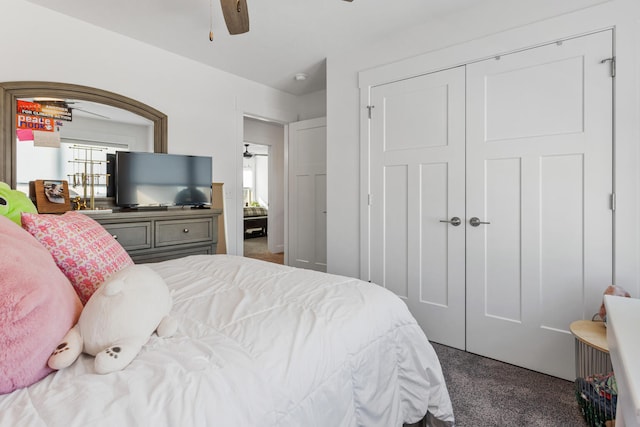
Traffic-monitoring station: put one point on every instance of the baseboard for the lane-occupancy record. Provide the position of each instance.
(278, 249)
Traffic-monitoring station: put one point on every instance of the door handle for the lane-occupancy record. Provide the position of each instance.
(476, 222)
(455, 221)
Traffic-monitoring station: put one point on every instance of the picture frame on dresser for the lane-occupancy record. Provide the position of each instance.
(50, 195)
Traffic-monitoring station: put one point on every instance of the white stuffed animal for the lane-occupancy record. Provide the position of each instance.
(118, 320)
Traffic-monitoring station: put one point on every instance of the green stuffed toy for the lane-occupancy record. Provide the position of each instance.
(14, 202)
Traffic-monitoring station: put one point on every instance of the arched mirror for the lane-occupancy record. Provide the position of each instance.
(93, 123)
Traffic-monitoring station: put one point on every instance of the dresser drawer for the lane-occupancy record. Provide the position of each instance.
(152, 236)
(172, 253)
(177, 232)
(131, 236)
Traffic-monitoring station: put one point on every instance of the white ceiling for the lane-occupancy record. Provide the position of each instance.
(286, 36)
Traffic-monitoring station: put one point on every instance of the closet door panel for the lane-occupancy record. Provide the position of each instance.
(395, 275)
(545, 255)
(561, 239)
(503, 240)
(416, 182)
(433, 236)
(530, 88)
(307, 185)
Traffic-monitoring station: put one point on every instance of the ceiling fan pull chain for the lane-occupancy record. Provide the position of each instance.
(210, 20)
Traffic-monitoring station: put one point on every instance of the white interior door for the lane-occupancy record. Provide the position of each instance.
(539, 171)
(417, 181)
(307, 212)
(534, 169)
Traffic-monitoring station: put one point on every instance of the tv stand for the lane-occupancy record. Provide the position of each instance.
(162, 234)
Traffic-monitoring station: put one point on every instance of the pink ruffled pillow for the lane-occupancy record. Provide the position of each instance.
(85, 252)
(38, 306)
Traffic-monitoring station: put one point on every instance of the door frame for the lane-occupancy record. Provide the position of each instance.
(234, 195)
(366, 138)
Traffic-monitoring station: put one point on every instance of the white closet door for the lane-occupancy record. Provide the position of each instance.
(307, 212)
(417, 181)
(539, 170)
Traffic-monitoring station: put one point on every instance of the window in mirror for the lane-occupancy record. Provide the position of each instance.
(95, 131)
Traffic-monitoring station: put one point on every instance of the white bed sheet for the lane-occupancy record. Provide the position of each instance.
(258, 344)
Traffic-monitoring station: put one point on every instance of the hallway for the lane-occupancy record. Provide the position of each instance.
(256, 247)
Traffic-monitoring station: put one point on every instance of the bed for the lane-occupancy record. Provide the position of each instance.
(258, 344)
(255, 221)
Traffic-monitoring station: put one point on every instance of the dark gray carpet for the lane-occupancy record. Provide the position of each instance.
(485, 392)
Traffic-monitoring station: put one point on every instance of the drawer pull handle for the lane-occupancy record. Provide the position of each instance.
(186, 230)
(115, 236)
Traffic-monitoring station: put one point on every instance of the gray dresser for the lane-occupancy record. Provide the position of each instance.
(152, 236)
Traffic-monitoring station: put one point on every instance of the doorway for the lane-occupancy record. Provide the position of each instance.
(263, 192)
(489, 199)
(255, 190)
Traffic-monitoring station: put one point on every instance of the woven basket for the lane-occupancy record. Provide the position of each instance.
(597, 411)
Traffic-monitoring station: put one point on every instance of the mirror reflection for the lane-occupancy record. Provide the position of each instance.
(78, 146)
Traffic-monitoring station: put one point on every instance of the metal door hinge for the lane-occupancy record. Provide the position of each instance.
(612, 62)
(370, 107)
(369, 198)
(613, 201)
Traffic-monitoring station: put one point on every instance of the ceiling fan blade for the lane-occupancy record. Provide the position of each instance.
(236, 15)
(91, 112)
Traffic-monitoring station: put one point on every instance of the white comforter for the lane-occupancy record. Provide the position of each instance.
(259, 344)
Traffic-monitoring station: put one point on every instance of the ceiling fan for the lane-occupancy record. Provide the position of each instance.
(70, 104)
(83, 109)
(247, 154)
(236, 16)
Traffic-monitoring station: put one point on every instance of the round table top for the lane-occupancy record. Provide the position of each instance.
(591, 333)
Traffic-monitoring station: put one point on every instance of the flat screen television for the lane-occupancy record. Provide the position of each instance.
(160, 180)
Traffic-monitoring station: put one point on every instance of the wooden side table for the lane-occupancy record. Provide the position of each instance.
(592, 350)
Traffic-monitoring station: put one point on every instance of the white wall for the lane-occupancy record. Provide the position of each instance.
(271, 134)
(493, 28)
(205, 106)
(262, 180)
(136, 137)
(312, 105)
